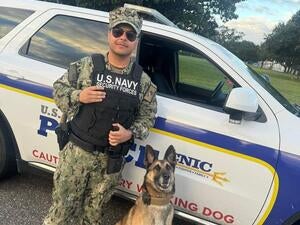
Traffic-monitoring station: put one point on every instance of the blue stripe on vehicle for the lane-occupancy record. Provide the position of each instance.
(288, 201)
(267, 154)
(28, 86)
(258, 151)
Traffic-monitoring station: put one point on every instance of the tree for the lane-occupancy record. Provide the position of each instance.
(233, 41)
(245, 50)
(226, 35)
(194, 15)
(284, 43)
(263, 54)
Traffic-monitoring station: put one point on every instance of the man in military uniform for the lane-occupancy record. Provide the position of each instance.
(120, 95)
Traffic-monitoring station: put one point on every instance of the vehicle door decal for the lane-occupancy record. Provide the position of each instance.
(258, 154)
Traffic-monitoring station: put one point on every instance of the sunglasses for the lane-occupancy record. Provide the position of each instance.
(118, 32)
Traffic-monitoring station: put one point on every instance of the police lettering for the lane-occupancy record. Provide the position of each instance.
(46, 124)
(192, 162)
(140, 161)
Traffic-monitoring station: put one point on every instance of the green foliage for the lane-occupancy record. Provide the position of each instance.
(263, 53)
(284, 83)
(283, 44)
(227, 35)
(201, 73)
(198, 72)
(193, 15)
(232, 40)
(245, 50)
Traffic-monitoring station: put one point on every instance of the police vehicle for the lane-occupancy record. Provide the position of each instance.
(237, 139)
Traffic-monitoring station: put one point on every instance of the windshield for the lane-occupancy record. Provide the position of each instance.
(276, 94)
(262, 80)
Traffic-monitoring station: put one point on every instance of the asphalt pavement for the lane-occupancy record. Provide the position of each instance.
(25, 200)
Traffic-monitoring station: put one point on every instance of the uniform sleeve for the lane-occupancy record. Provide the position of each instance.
(148, 107)
(67, 88)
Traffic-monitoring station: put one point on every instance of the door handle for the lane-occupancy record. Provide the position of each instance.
(14, 75)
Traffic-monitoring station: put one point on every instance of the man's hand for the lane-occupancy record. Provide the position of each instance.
(120, 136)
(92, 94)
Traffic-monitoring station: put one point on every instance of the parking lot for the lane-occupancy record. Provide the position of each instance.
(25, 200)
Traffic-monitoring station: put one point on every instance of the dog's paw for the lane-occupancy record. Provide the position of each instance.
(146, 198)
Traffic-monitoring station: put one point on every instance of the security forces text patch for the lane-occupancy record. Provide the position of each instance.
(117, 83)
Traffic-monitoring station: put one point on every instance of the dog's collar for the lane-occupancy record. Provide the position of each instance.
(160, 200)
(154, 200)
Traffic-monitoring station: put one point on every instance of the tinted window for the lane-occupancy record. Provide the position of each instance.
(196, 70)
(181, 71)
(10, 18)
(201, 80)
(66, 39)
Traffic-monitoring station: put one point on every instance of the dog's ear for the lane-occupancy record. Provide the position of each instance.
(149, 156)
(170, 156)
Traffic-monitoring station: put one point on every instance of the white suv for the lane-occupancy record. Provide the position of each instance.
(237, 139)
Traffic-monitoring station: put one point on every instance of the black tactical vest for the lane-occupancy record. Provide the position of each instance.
(94, 121)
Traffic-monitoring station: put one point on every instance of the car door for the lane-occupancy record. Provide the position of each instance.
(32, 61)
(225, 171)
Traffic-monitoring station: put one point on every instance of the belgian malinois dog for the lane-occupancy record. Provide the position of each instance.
(153, 206)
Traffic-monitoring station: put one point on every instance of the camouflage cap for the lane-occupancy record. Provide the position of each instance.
(127, 16)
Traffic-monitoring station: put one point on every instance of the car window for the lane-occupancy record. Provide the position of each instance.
(197, 71)
(201, 80)
(10, 18)
(181, 71)
(65, 39)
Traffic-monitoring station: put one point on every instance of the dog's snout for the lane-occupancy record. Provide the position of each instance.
(166, 177)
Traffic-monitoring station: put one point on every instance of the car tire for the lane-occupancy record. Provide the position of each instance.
(7, 154)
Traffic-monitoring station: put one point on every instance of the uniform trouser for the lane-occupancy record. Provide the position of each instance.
(81, 187)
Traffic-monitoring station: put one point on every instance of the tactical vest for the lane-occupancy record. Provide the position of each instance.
(94, 120)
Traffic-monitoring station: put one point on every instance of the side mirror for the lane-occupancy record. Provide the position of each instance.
(241, 100)
(266, 77)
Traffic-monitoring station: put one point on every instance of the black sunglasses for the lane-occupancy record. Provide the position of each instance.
(118, 32)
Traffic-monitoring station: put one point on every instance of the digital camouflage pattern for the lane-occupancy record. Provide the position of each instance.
(66, 95)
(125, 15)
(81, 184)
(81, 187)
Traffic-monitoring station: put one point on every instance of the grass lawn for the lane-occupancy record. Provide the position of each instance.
(287, 86)
(197, 71)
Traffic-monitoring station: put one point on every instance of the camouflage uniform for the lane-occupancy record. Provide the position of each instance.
(81, 185)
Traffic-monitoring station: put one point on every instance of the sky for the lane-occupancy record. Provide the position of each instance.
(257, 18)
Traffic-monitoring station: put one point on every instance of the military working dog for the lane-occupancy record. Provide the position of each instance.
(153, 206)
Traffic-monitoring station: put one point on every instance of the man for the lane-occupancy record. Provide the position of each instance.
(120, 95)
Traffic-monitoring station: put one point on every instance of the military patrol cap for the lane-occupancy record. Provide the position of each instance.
(127, 16)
